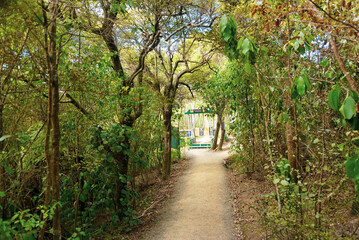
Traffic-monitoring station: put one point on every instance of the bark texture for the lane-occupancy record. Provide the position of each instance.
(167, 115)
(216, 133)
(52, 195)
(223, 133)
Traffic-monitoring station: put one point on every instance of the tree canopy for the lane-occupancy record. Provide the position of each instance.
(90, 91)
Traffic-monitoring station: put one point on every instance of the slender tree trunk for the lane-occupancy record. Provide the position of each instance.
(267, 116)
(55, 156)
(167, 115)
(342, 66)
(48, 161)
(216, 133)
(253, 148)
(334, 48)
(3, 201)
(289, 130)
(52, 58)
(223, 133)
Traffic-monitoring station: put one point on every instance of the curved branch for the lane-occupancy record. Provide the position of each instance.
(331, 17)
(189, 88)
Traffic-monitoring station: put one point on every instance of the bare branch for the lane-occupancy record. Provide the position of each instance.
(189, 88)
(205, 59)
(15, 60)
(72, 100)
(331, 17)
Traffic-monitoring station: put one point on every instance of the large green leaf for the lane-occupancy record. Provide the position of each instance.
(293, 91)
(300, 85)
(223, 23)
(308, 85)
(227, 27)
(245, 46)
(334, 98)
(224, 28)
(240, 42)
(226, 34)
(352, 167)
(347, 109)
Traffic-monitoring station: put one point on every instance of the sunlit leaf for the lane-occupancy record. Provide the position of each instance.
(300, 86)
(347, 109)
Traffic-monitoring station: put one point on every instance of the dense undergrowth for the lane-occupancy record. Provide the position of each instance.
(89, 89)
(294, 114)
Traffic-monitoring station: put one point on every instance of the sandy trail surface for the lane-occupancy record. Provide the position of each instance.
(200, 207)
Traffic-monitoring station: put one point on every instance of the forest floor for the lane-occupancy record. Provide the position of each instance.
(200, 206)
(246, 190)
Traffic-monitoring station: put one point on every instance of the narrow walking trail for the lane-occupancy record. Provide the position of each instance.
(200, 208)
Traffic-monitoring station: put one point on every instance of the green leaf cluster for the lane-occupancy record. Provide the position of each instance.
(300, 86)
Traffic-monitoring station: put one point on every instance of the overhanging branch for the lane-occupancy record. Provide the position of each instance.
(189, 88)
(331, 17)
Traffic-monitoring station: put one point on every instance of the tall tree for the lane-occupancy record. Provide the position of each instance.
(179, 59)
(170, 87)
(53, 52)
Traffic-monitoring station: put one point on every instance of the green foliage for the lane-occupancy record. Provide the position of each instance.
(334, 98)
(25, 225)
(95, 189)
(228, 29)
(352, 168)
(78, 235)
(272, 55)
(300, 86)
(348, 107)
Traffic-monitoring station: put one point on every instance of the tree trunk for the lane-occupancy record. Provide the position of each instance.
(3, 184)
(333, 46)
(223, 133)
(347, 75)
(288, 102)
(216, 133)
(167, 115)
(121, 162)
(55, 155)
(52, 62)
(48, 161)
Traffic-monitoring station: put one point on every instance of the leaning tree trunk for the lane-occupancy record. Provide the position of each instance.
(215, 138)
(167, 115)
(223, 133)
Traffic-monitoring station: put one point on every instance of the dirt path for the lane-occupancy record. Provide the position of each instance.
(200, 208)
